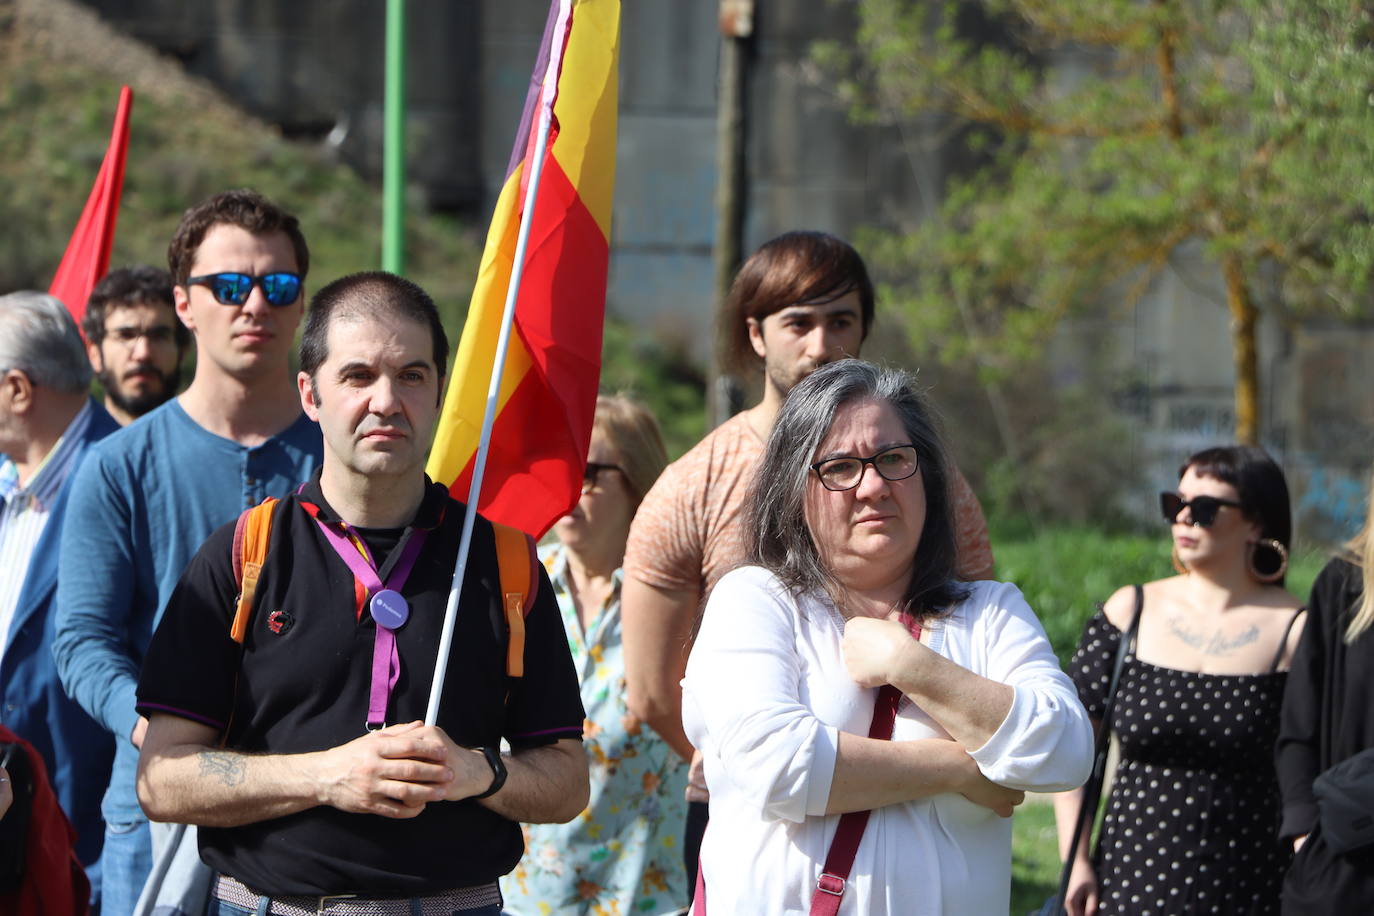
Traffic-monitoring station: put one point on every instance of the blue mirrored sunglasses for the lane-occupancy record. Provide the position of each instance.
(278, 289)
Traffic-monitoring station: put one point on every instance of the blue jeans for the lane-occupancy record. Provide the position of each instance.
(220, 908)
(125, 862)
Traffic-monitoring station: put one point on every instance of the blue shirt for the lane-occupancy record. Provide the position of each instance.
(142, 503)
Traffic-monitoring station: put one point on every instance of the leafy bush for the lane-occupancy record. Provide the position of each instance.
(662, 375)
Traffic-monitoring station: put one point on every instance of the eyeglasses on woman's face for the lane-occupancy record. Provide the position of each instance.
(593, 471)
(845, 472)
(1201, 509)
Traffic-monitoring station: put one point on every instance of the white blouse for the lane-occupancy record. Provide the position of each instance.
(765, 697)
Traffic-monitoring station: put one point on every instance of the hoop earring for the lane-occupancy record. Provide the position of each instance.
(1278, 548)
(1179, 567)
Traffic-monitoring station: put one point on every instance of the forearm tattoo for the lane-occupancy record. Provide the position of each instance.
(1213, 643)
(228, 768)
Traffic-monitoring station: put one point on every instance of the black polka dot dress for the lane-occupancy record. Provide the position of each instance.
(1192, 818)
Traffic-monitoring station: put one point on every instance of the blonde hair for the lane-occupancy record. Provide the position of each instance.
(1361, 548)
(633, 433)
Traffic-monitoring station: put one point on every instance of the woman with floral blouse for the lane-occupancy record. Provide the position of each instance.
(622, 854)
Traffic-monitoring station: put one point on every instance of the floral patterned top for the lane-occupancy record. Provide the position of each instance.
(622, 856)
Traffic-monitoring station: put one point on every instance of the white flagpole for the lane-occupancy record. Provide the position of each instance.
(494, 389)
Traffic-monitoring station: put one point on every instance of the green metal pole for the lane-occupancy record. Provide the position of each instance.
(394, 141)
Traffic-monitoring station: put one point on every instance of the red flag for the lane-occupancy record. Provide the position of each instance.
(88, 253)
(547, 399)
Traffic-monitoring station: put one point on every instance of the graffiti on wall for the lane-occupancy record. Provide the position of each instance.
(1330, 501)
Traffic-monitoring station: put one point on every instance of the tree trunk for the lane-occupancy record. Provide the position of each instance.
(1244, 350)
(726, 395)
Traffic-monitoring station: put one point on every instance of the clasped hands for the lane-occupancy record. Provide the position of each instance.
(883, 651)
(398, 770)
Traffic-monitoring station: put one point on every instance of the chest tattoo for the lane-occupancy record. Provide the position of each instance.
(228, 768)
(1214, 643)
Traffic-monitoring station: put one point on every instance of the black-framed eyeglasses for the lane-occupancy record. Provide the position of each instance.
(1201, 509)
(593, 470)
(128, 337)
(280, 289)
(844, 473)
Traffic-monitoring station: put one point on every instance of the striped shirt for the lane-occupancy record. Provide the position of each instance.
(24, 512)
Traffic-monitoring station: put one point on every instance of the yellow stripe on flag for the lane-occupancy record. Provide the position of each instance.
(586, 107)
(460, 422)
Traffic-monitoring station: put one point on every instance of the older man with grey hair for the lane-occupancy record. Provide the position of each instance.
(47, 422)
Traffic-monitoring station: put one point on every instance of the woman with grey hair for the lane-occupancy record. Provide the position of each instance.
(849, 628)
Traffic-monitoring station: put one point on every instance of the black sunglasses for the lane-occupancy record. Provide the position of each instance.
(228, 288)
(593, 470)
(1202, 509)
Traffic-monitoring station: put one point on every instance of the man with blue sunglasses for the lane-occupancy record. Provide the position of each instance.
(151, 493)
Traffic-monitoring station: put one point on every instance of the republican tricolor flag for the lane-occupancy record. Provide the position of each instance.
(539, 440)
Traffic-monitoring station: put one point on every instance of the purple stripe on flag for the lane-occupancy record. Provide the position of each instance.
(541, 66)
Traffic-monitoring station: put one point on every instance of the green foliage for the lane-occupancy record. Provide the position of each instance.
(1103, 134)
(1064, 572)
(661, 375)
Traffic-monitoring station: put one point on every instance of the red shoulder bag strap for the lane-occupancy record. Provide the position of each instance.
(839, 861)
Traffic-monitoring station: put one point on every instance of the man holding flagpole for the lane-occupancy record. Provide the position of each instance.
(300, 752)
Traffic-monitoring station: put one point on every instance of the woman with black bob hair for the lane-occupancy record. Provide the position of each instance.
(850, 628)
(1192, 817)
(1263, 494)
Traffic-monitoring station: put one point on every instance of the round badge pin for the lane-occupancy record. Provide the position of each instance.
(389, 609)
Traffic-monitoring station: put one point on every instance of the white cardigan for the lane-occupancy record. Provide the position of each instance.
(765, 696)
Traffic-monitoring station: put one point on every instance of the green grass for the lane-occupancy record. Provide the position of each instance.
(1034, 857)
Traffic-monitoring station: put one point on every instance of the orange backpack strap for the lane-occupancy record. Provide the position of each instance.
(251, 535)
(516, 564)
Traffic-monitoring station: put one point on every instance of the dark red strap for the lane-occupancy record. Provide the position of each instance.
(845, 846)
(839, 861)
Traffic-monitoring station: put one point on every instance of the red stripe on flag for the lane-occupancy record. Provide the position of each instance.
(528, 435)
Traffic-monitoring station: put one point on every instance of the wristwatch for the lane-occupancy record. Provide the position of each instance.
(498, 770)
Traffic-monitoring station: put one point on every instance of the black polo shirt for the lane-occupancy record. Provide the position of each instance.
(303, 681)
